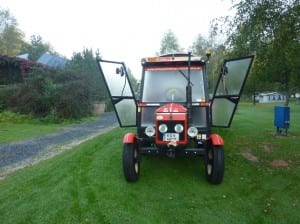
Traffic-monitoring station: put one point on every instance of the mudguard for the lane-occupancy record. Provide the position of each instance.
(216, 140)
(129, 138)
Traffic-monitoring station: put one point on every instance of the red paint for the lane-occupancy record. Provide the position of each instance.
(171, 112)
(171, 108)
(129, 138)
(216, 140)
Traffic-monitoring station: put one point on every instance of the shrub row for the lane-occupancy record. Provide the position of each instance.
(56, 94)
(43, 98)
(52, 94)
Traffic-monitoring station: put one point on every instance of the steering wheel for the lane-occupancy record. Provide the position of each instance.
(174, 94)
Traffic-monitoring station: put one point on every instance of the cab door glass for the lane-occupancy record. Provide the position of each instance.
(232, 78)
(120, 91)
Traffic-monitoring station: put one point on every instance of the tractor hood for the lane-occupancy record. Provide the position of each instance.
(171, 108)
(171, 125)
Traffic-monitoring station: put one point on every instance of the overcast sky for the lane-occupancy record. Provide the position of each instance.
(122, 30)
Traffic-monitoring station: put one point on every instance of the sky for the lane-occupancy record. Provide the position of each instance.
(122, 30)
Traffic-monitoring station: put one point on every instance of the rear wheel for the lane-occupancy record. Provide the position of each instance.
(131, 162)
(214, 164)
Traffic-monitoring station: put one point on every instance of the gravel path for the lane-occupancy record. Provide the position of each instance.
(17, 155)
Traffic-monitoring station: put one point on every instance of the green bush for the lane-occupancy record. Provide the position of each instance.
(54, 95)
(73, 100)
(47, 100)
(8, 116)
(6, 93)
(35, 96)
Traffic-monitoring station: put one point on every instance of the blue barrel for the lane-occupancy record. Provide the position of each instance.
(282, 118)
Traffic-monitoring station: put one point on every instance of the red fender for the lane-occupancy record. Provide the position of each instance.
(129, 138)
(216, 140)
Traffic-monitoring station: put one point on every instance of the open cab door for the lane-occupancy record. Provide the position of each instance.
(120, 91)
(228, 91)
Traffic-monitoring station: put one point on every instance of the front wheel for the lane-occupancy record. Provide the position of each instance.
(131, 162)
(214, 164)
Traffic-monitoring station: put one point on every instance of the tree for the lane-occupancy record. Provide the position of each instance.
(83, 67)
(11, 38)
(6, 19)
(36, 47)
(169, 43)
(11, 41)
(270, 30)
(200, 45)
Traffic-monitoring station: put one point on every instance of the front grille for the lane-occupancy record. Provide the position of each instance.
(170, 125)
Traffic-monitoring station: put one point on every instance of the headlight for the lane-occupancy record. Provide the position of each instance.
(163, 128)
(150, 131)
(178, 128)
(192, 132)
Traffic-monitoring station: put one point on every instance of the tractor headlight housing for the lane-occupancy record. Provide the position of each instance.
(178, 128)
(192, 132)
(150, 131)
(163, 128)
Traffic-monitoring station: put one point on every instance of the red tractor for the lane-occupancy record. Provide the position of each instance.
(172, 110)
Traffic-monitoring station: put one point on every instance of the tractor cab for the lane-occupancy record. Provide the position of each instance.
(172, 110)
(174, 105)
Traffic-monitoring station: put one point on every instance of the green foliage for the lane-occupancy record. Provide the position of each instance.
(74, 100)
(200, 45)
(36, 48)
(12, 70)
(36, 95)
(6, 92)
(55, 95)
(169, 44)
(48, 94)
(11, 38)
(10, 117)
(269, 29)
(6, 19)
(83, 67)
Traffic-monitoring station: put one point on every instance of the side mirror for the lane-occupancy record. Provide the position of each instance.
(120, 71)
(224, 70)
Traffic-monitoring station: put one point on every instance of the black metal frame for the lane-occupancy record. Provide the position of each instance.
(117, 99)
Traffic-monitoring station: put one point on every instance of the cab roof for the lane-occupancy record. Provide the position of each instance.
(174, 59)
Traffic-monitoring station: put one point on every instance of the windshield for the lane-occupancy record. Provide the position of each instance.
(169, 85)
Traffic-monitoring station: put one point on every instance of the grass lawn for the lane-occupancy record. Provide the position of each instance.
(10, 132)
(86, 185)
(16, 127)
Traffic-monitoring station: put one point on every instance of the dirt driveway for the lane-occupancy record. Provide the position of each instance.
(14, 156)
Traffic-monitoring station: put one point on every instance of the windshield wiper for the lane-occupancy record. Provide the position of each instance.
(182, 73)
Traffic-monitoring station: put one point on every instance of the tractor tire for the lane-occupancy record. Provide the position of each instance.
(214, 164)
(131, 162)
